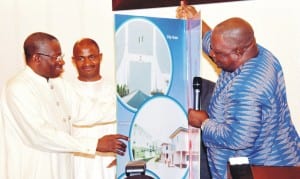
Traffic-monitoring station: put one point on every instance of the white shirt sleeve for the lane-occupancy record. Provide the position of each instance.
(34, 116)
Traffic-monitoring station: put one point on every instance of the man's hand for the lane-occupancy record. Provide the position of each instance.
(196, 117)
(185, 11)
(112, 143)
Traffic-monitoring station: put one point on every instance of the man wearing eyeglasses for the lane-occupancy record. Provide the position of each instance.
(90, 83)
(248, 115)
(38, 111)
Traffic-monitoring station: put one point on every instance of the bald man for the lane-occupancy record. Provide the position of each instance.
(87, 59)
(248, 115)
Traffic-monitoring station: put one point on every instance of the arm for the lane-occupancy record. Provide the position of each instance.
(237, 127)
(46, 132)
(205, 28)
(36, 121)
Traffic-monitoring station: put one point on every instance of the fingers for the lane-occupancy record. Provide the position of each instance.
(194, 118)
(120, 136)
(113, 143)
(120, 148)
(119, 152)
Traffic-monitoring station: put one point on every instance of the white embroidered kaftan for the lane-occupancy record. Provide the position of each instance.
(95, 166)
(37, 116)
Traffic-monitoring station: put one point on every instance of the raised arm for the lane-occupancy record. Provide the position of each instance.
(205, 28)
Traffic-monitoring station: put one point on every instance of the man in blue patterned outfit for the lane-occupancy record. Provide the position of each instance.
(248, 115)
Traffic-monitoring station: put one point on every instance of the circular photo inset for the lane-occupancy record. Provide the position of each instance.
(159, 136)
(143, 62)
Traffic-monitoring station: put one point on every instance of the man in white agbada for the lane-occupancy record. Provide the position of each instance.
(38, 111)
(90, 84)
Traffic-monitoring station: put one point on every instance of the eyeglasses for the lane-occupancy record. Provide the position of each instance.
(57, 58)
(239, 51)
(215, 53)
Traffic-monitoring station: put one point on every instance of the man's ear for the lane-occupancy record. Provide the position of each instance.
(100, 57)
(239, 52)
(36, 58)
(74, 61)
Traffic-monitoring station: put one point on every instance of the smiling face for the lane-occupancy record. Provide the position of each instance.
(43, 55)
(87, 59)
(51, 60)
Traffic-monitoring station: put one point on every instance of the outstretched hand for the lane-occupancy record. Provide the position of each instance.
(185, 11)
(112, 143)
(196, 117)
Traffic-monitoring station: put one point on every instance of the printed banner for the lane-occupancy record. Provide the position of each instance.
(156, 60)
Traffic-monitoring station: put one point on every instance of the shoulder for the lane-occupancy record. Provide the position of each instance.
(258, 76)
(262, 67)
(21, 82)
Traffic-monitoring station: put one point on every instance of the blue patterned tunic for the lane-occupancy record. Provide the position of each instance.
(249, 116)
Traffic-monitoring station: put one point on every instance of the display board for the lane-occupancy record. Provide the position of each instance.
(156, 61)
